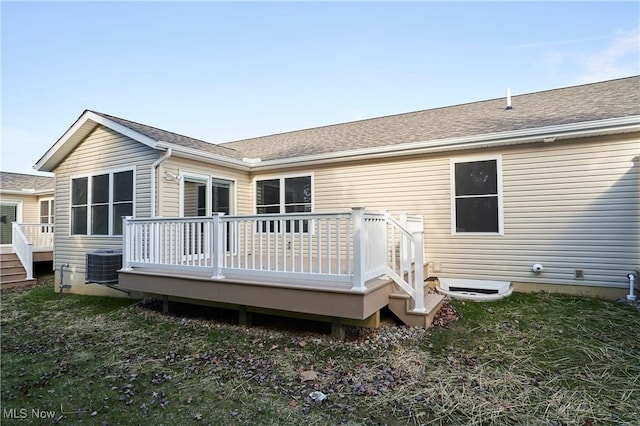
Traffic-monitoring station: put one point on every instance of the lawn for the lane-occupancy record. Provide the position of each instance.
(529, 359)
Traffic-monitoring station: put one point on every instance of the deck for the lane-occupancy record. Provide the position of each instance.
(319, 298)
(30, 243)
(343, 266)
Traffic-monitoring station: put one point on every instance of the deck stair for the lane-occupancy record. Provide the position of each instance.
(12, 273)
(402, 305)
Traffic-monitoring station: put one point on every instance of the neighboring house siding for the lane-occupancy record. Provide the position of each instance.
(102, 150)
(169, 201)
(29, 206)
(568, 205)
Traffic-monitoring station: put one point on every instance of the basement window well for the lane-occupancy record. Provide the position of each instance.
(476, 290)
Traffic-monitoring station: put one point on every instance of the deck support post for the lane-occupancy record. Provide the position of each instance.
(357, 215)
(165, 304)
(244, 317)
(337, 329)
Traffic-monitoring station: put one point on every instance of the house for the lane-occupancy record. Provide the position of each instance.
(311, 221)
(26, 225)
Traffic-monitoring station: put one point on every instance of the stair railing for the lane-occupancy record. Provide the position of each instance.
(22, 248)
(404, 244)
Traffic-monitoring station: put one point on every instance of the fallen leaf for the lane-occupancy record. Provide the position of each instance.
(274, 347)
(308, 375)
(302, 343)
(293, 403)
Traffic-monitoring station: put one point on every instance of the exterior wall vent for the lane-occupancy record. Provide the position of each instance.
(103, 266)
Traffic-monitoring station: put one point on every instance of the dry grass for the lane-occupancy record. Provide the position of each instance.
(530, 359)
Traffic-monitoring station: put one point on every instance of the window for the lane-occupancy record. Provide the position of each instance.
(284, 195)
(46, 214)
(79, 206)
(99, 202)
(46, 211)
(194, 196)
(477, 196)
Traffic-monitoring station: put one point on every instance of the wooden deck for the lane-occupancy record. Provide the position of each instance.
(321, 298)
(341, 266)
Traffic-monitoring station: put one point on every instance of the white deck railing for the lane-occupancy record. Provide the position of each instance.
(347, 247)
(39, 234)
(27, 238)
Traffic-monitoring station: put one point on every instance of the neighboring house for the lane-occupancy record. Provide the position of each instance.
(551, 179)
(26, 224)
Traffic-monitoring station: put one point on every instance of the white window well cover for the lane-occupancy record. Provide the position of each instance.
(470, 289)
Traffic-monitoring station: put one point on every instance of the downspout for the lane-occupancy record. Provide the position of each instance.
(154, 168)
(62, 284)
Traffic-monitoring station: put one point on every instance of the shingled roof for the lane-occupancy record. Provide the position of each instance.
(174, 138)
(576, 104)
(19, 181)
(589, 102)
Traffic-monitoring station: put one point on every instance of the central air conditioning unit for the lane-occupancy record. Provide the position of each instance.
(103, 266)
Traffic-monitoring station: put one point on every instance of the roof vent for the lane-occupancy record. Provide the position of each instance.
(508, 100)
(252, 161)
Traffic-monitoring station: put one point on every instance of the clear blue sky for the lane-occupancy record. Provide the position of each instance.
(226, 71)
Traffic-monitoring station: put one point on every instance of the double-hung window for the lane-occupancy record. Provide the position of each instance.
(476, 205)
(47, 214)
(284, 195)
(99, 202)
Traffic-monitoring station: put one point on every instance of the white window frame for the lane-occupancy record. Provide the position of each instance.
(282, 195)
(51, 215)
(18, 205)
(282, 178)
(208, 178)
(452, 190)
(110, 172)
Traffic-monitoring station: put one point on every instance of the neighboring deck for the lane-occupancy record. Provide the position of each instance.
(31, 243)
(343, 267)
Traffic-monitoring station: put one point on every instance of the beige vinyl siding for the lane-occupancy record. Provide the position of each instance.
(101, 151)
(568, 205)
(29, 206)
(169, 190)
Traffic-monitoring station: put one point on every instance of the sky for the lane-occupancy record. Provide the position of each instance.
(223, 71)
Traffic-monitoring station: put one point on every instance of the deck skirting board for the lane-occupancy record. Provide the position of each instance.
(325, 300)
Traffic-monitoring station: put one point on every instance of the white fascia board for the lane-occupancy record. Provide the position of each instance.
(23, 192)
(51, 158)
(196, 154)
(515, 137)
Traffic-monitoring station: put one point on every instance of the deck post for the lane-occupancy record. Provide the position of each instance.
(357, 217)
(337, 329)
(127, 240)
(217, 246)
(165, 304)
(244, 317)
(418, 291)
(405, 245)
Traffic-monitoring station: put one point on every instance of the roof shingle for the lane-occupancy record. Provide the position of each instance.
(588, 102)
(19, 181)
